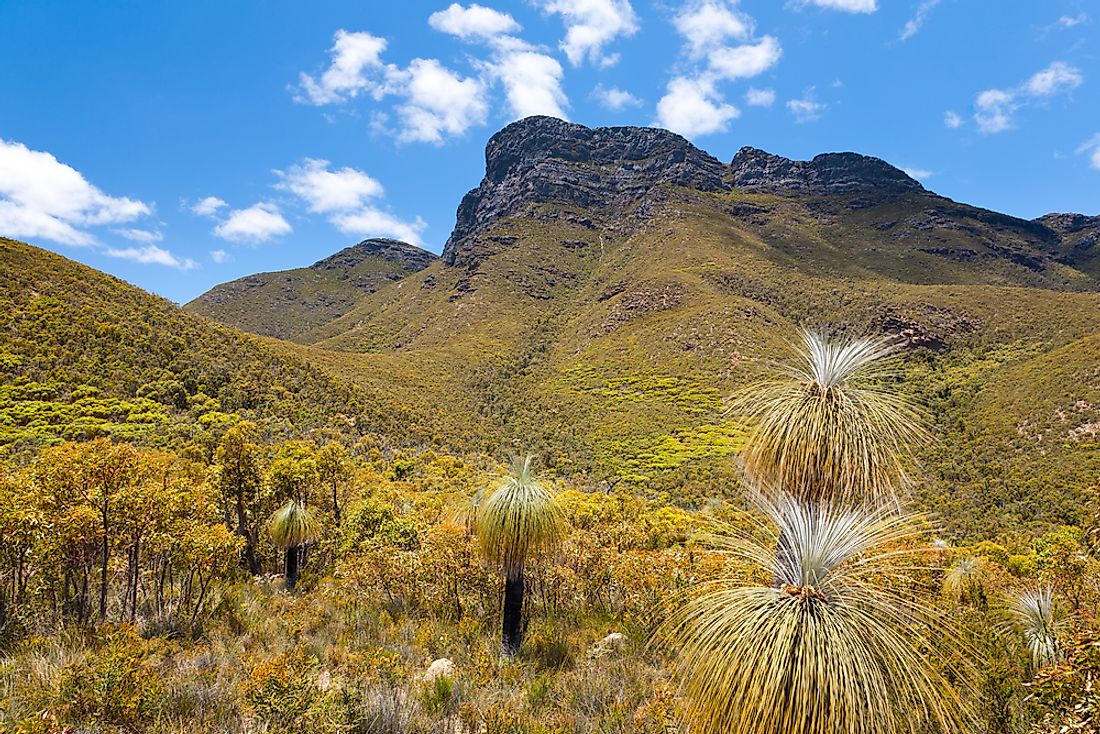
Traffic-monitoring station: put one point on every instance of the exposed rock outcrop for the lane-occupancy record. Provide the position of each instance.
(544, 159)
(753, 169)
(410, 257)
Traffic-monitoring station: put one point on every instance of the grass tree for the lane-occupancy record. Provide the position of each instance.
(826, 650)
(966, 579)
(826, 428)
(291, 528)
(1037, 615)
(520, 519)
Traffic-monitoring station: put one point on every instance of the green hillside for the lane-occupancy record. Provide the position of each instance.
(84, 354)
(287, 303)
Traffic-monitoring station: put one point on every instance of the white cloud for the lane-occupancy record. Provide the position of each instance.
(327, 191)
(994, 109)
(805, 109)
(707, 25)
(692, 107)
(760, 97)
(848, 6)
(920, 174)
(140, 235)
(746, 61)
(208, 207)
(613, 98)
(1091, 147)
(591, 25)
(258, 223)
(1071, 21)
(345, 196)
(151, 255)
(1058, 77)
(353, 55)
(370, 222)
(438, 102)
(220, 256)
(914, 24)
(475, 21)
(532, 82)
(952, 119)
(42, 197)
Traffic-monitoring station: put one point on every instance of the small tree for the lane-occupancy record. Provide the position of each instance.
(291, 527)
(520, 519)
(332, 468)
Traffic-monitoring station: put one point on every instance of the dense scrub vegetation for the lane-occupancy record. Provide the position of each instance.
(128, 603)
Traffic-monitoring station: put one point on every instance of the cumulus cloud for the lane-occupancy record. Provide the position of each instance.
(326, 191)
(613, 98)
(994, 109)
(1072, 21)
(438, 102)
(220, 256)
(708, 25)
(590, 25)
(692, 107)
(151, 255)
(431, 102)
(208, 206)
(913, 25)
(475, 21)
(746, 61)
(760, 97)
(353, 57)
(43, 197)
(1091, 148)
(140, 235)
(806, 108)
(952, 119)
(258, 223)
(370, 222)
(847, 6)
(921, 174)
(719, 39)
(532, 82)
(347, 196)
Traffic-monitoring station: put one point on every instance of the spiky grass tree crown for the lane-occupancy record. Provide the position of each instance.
(292, 525)
(521, 518)
(824, 430)
(833, 647)
(1039, 618)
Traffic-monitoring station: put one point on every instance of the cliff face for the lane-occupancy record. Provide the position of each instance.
(610, 169)
(546, 160)
(753, 169)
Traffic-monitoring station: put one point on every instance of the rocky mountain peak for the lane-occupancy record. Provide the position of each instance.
(753, 169)
(409, 257)
(543, 159)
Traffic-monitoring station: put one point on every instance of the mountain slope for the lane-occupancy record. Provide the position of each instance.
(84, 354)
(287, 303)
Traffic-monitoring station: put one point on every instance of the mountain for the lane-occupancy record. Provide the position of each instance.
(84, 354)
(604, 290)
(287, 303)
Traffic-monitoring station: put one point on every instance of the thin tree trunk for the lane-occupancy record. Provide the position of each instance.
(106, 555)
(291, 568)
(512, 628)
(335, 504)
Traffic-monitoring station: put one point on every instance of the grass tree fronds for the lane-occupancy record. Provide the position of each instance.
(824, 429)
(292, 525)
(837, 644)
(967, 573)
(520, 519)
(1038, 616)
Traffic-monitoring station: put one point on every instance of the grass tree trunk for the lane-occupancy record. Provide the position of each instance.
(291, 567)
(512, 628)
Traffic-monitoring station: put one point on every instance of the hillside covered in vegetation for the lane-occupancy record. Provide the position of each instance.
(807, 405)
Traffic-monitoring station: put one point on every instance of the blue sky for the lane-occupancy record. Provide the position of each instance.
(179, 145)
